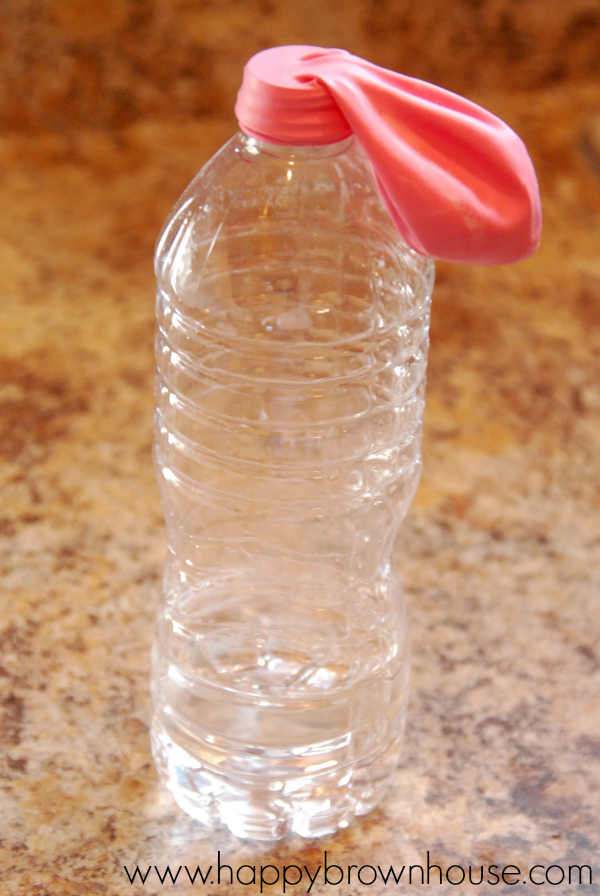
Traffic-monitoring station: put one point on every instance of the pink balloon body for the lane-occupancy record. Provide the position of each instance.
(458, 182)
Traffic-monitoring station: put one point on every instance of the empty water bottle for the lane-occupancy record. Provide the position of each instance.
(291, 349)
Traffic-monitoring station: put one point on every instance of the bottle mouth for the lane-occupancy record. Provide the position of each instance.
(276, 106)
(300, 152)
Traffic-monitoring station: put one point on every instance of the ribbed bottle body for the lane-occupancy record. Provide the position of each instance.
(291, 354)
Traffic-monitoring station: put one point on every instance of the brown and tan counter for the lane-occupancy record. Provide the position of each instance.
(500, 555)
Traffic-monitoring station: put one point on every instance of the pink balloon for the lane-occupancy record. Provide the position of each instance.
(458, 182)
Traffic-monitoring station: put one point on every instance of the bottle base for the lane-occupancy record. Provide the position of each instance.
(272, 810)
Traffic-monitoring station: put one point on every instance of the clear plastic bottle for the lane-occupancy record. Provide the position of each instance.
(291, 348)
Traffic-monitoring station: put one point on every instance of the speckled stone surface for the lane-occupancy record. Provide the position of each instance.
(108, 62)
(500, 554)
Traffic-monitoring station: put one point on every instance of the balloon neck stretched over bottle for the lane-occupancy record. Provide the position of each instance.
(457, 181)
(276, 105)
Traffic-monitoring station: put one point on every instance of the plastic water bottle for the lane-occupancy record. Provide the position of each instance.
(292, 345)
(291, 349)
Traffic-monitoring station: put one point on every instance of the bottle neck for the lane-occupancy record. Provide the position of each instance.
(254, 146)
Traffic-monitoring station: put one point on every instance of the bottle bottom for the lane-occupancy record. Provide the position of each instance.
(279, 714)
(307, 805)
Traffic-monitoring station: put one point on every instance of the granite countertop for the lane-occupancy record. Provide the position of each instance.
(500, 554)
